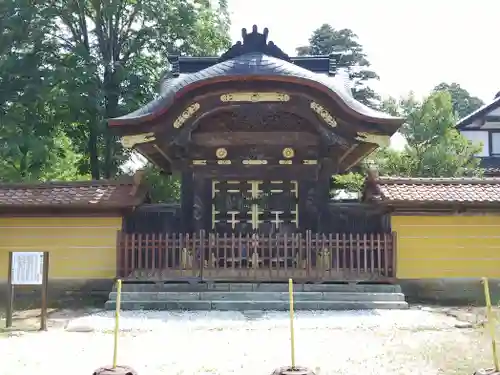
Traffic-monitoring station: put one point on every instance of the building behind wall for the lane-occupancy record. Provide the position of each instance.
(483, 127)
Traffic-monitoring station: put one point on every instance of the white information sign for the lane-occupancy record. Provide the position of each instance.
(27, 268)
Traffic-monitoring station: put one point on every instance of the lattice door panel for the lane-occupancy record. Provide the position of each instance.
(231, 206)
(280, 205)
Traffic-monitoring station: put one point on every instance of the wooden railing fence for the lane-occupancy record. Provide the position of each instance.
(275, 257)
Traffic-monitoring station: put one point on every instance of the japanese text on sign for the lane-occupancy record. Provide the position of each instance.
(27, 268)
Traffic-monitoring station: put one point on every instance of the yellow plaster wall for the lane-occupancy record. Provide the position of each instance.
(447, 246)
(79, 247)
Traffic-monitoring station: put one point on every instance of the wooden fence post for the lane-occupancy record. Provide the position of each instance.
(119, 255)
(394, 254)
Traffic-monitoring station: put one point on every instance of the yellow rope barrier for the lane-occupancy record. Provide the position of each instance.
(491, 321)
(292, 333)
(117, 321)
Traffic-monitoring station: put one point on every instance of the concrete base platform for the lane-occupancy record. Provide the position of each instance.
(253, 296)
(256, 305)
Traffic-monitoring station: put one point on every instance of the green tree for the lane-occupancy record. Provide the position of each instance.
(162, 188)
(326, 40)
(435, 148)
(462, 101)
(112, 56)
(32, 145)
(351, 182)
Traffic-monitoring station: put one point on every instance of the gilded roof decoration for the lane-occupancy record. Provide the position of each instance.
(186, 115)
(324, 114)
(255, 97)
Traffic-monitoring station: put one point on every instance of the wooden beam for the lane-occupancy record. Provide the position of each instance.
(256, 171)
(255, 138)
(346, 153)
(359, 153)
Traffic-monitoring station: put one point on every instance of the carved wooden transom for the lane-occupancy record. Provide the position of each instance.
(237, 121)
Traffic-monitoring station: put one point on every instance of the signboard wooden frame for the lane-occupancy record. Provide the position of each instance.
(32, 279)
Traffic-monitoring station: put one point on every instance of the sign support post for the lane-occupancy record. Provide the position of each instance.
(10, 295)
(45, 292)
(29, 269)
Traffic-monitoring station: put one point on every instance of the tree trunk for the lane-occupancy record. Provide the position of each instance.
(111, 89)
(93, 153)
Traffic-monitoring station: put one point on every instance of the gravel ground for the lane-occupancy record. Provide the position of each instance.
(376, 342)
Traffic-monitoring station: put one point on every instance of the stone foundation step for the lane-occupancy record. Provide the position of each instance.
(256, 305)
(256, 287)
(256, 296)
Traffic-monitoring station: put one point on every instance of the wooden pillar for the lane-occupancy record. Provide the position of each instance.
(323, 184)
(308, 211)
(202, 203)
(187, 201)
(322, 201)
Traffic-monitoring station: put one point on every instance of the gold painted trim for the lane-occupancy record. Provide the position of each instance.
(224, 162)
(310, 162)
(255, 216)
(277, 221)
(286, 162)
(129, 141)
(255, 97)
(214, 188)
(199, 162)
(380, 140)
(295, 189)
(324, 114)
(254, 162)
(186, 115)
(214, 214)
(233, 220)
(296, 213)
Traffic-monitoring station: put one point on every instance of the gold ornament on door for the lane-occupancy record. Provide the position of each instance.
(288, 153)
(221, 153)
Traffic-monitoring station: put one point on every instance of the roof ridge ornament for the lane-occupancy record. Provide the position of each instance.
(254, 42)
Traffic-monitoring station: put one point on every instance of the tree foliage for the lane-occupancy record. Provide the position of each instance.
(435, 148)
(32, 144)
(68, 65)
(162, 188)
(113, 54)
(351, 182)
(326, 40)
(462, 101)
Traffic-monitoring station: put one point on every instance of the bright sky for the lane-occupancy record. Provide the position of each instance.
(412, 45)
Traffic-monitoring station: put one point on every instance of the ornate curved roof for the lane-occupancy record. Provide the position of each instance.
(253, 59)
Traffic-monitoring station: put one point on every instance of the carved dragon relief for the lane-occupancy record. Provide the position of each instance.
(380, 140)
(129, 141)
(198, 208)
